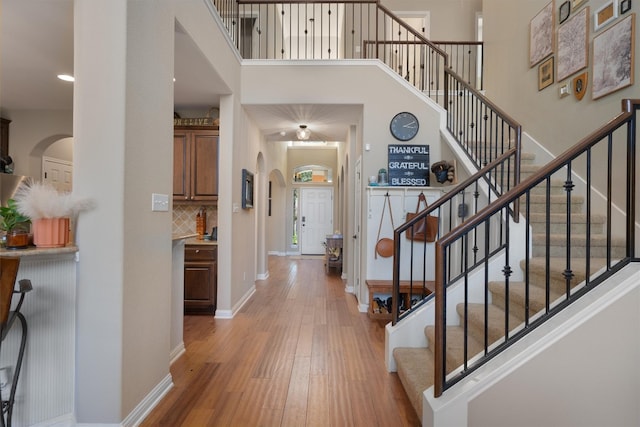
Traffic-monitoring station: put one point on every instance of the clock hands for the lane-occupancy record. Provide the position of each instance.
(410, 125)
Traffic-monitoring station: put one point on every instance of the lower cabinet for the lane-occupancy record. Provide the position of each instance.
(200, 279)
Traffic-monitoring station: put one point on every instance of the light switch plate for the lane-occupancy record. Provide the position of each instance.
(159, 202)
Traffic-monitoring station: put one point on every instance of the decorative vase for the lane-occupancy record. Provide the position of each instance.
(50, 232)
(17, 239)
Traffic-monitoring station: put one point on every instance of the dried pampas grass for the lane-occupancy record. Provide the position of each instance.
(40, 200)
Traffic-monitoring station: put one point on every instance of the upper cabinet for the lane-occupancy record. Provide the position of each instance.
(195, 164)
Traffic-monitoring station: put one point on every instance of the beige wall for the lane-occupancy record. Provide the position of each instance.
(555, 122)
(450, 20)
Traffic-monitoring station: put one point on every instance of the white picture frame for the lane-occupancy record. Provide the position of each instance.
(605, 14)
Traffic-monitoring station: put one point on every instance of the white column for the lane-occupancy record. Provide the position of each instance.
(123, 104)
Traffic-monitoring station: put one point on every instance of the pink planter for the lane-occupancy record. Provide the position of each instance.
(50, 232)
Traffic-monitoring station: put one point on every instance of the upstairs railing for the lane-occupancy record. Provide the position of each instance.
(570, 244)
(350, 29)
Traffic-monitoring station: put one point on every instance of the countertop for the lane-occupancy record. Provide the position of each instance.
(34, 251)
(192, 239)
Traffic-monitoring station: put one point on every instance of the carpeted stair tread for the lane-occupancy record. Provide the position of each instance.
(517, 297)
(558, 245)
(496, 323)
(558, 223)
(455, 345)
(415, 370)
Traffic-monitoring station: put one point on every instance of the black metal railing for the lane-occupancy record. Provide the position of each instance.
(478, 125)
(350, 29)
(569, 244)
(466, 59)
(452, 209)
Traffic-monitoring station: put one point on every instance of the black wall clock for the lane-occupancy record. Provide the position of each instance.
(404, 126)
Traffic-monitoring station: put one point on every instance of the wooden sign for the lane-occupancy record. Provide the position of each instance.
(408, 165)
(199, 121)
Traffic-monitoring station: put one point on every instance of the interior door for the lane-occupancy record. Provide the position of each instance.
(316, 219)
(58, 173)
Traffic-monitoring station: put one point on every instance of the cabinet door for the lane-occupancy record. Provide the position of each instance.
(181, 158)
(199, 287)
(204, 166)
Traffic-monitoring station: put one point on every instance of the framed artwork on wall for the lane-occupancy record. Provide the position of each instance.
(625, 6)
(541, 34)
(545, 73)
(580, 85)
(564, 11)
(247, 189)
(605, 14)
(573, 44)
(613, 60)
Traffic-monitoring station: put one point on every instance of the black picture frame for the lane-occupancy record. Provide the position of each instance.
(625, 6)
(564, 12)
(247, 189)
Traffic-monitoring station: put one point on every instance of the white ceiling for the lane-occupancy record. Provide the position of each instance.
(36, 44)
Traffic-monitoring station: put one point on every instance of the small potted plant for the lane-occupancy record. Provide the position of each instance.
(50, 212)
(15, 224)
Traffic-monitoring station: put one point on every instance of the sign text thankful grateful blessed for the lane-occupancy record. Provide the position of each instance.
(408, 165)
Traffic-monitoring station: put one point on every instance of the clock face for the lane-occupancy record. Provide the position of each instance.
(404, 126)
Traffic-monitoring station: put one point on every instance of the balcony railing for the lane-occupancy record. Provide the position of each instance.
(351, 29)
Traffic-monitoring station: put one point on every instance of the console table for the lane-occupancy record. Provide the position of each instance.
(333, 246)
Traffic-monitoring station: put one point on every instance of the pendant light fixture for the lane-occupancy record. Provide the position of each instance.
(303, 133)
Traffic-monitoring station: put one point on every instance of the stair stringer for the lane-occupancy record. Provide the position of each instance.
(492, 395)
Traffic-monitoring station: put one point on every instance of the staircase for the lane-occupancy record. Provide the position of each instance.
(415, 366)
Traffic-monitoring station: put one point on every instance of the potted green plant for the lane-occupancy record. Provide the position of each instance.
(15, 224)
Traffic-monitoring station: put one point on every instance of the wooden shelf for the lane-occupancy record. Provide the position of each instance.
(386, 287)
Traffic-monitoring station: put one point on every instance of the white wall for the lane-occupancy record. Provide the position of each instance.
(31, 132)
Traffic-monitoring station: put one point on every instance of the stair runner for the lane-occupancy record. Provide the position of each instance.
(415, 365)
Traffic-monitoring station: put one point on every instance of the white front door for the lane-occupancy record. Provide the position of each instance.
(316, 219)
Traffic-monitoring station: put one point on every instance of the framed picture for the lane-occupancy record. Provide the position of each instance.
(580, 85)
(545, 73)
(573, 44)
(247, 189)
(625, 6)
(541, 35)
(605, 14)
(564, 12)
(613, 61)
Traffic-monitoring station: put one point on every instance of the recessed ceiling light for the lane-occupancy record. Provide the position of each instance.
(66, 77)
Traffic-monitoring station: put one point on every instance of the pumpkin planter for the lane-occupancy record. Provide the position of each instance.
(50, 232)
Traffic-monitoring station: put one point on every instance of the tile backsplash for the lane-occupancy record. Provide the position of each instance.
(184, 218)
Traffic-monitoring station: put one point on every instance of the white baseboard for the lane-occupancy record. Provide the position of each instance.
(147, 404)
(228, 314)
(176, 353)
(263, 276)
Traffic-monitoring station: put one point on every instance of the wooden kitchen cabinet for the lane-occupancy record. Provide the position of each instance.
(200, 279)
(195, 164)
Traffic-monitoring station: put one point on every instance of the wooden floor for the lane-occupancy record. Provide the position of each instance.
(299, 353)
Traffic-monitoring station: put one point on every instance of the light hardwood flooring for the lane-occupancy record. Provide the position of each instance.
(299, 353)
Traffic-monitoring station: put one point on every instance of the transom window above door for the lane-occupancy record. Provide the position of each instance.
(312, 174)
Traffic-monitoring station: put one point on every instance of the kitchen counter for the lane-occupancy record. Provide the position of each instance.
(33, 251)
(196, 241)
